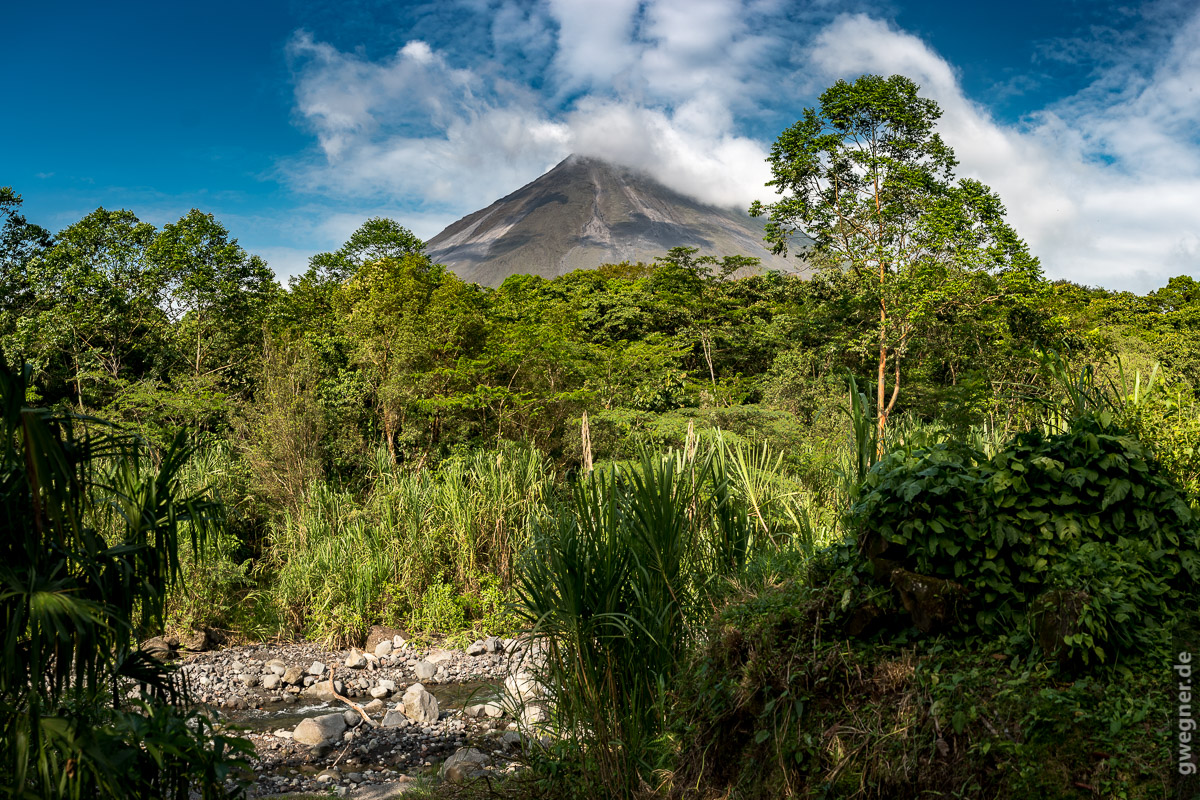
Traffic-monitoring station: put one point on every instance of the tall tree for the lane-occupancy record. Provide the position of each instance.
(98, 308)
(868, 182)
(216, 293)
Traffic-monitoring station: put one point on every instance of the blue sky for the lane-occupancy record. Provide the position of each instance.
(292, 122)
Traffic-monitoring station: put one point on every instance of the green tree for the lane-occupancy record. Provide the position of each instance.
(97, 322)
(216, 294)
(869, 184)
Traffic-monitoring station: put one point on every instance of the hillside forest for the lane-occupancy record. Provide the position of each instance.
(387, 444)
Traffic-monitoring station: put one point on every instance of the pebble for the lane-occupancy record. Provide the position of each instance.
(253, 675)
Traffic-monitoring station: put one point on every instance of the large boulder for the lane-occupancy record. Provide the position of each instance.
(316, 731)
(465, 763)
(379, 633)
(157, 648)
(521, 687)
(419, 705)
(321, 691)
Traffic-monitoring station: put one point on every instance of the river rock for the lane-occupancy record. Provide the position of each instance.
(419, 705)
(522, 687)
(322, 691)
(492, 710)
(383, 649)
(398, 642)
(477, 648)
(493, 644)
(394, 719)
(355, 660)
(438, 655)
(534, 713)
(378, 633)
(424, 670)
(317, 669)
(270, 682)
(277, 667)
(465, 763)
(157, 648)
(317, 731)
(294, 676)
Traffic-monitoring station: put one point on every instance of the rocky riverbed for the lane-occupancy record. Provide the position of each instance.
(367, 722)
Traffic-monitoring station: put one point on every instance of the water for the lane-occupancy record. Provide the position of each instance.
(276, 714)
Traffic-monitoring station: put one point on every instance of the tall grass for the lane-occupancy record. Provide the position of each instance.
(420, 536)
(617, 580)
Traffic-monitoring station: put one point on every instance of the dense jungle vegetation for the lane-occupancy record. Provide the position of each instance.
(969, 581)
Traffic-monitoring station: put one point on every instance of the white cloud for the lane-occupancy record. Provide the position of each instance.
(653, 85)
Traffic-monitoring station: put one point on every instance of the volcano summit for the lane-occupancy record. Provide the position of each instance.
(586, 212)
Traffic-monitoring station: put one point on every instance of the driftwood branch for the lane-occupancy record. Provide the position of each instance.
(366, 718)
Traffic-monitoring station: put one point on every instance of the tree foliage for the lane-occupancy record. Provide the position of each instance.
(869, 184)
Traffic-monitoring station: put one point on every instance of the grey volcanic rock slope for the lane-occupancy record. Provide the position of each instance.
(584, 213)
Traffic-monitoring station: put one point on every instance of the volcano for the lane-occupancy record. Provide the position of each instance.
(586, 212)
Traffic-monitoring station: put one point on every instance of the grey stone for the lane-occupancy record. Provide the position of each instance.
(321, 691)
(534, 713)
(317, 669)
(353, 719)
(316, 731)
(383, 649)
(270, 681)
(278, 667)
(157, 648)
(395, 719)
(466, 762)
(492, 710)
(419, 705)
(398, 642)
(379, 692)
(521, 687)
(438, 655)
(476, 649)
(250, 680)
(355, 660)
(493, 644)
(424, 670)
(373, 707)
(293, 676)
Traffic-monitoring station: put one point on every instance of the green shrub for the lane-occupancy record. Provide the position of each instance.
(439, 609)
(1087, 511)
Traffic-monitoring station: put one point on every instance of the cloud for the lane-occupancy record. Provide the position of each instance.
(654, 85)
(1104, 185)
